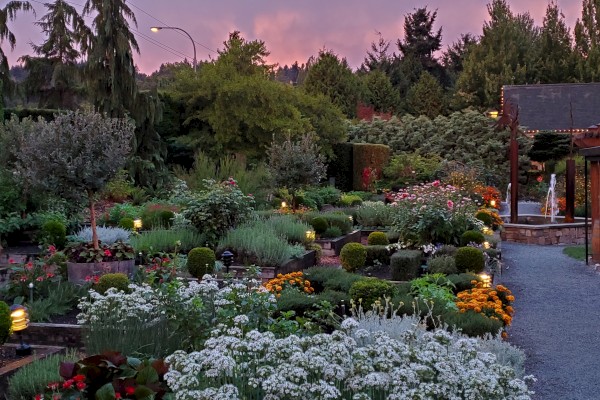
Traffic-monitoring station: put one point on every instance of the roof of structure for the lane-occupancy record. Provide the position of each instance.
(548, 107)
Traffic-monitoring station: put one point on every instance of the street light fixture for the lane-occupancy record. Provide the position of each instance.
(158, 28)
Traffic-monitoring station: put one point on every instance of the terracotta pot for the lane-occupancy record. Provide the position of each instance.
(77, 272)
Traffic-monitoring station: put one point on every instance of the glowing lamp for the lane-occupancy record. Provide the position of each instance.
(137, 224)
(351, 219)
(486, 245)
(486, 279)
(493, 114)
(155, 28)
(311, 235)
(487, 231)
(493, 203)
(19, 322)
(283, 204)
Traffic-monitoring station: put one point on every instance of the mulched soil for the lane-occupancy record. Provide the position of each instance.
(8, 355)
(69, 318)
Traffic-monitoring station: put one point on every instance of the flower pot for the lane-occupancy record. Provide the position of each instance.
(78, 272)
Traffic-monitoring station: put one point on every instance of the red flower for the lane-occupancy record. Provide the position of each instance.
(107, 253)
(11, 261)
(38, 397)
(540, 178)
(118, 395)
(450, 204)
(436, 183)
(79, 378)
(129, 390)
(68, 384)
(80, 386)
(51, 249)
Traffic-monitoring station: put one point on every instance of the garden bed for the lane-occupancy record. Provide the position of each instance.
(298, 264)
(9, 368)
(333, 247)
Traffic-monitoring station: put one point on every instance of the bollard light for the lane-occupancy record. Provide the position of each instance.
(19, 322)
(283, 204)
(137, 224)
(493, 203)
(486, 279)
(486, 245)
(311, 236)
(227, 258)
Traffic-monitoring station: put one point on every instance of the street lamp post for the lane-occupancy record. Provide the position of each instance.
(158, 28)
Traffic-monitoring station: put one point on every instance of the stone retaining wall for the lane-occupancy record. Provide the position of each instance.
(545, 234)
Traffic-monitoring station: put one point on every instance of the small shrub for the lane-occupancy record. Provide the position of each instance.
(469, 259)
(405, 264)
(164, 240)
(158, 216)
(54, 232)
(118, 188)
(295, 300)
(118, 281)
(441, 264)
(290, 227)
(350, 200)
(126, 223)
(379, 253)
(327, 278)
(393, 236)
(107, 235)
(446, 250)
(319, 224)
(471, 237)
(463, 281)
(317, 249)
(377, 239)
(201, 261)
(5, 322)
(331, 232)
(484, 217)
(353, 256)
(367, 291)
(472, 323)
(124, 210)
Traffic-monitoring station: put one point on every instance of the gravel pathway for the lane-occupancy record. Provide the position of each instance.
(557, 320)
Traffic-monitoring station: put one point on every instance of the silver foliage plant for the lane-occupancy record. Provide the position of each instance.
(106, 234)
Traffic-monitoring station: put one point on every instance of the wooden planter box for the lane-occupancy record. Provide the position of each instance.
(308, 260)
(332, 247)
(77, 272)
(39, 352)
(41, 333)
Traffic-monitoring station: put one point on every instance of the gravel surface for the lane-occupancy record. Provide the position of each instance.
(557, 320)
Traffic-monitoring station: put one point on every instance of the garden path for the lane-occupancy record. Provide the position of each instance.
(557, 320)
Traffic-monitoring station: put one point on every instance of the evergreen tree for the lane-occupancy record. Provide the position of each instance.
(556, 61)
(333, 77)
(504, 56)
(454, 56)
(587, 40)
(379, 92)
(9, 13)
(426, 97)
(378, 59)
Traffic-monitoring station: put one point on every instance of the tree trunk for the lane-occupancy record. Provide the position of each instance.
(93, 220)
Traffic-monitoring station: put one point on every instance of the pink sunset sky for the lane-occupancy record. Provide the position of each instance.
(292, 30)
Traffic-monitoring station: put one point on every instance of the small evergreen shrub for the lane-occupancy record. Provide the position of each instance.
(441, 264)
(471, 237)
(318, 251)
(201, 261)
(5, 322)
(126, 223)
(485, 218)
(463, 281)
(319, 224)
(377, 239)
(331, 232)
(328, 278)
(353, 256)
(393, 236)
(405, 264)
(54, 232)
(367, 291)
(472, 323)
(118, 281)
(446, 250)
(377, 253)
(469, 259)
(348, 200)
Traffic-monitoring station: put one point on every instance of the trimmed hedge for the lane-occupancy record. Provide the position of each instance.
(469, 259)
(328, 278)
(405, 264)
(377, 239)
(379, 253)
(367, 291)
(366, 155)
(201, 261)
(353, 256)
(340, 167)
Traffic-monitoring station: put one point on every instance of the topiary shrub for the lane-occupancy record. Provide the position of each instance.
(405, 264)
(319, 224)
(353, 256)
(5, 322)
(117, 280)
(367, 291)
(317, 249)
(471, 237)
(441, 264)
(54, 232)
(469, 259)
(485, 218)
(472, 323)
(377, 253)
(126, 223)
(349, 200)
(201, 261)
(377, 239)
(331, 232)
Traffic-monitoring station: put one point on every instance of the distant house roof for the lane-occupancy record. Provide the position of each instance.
(547, 107)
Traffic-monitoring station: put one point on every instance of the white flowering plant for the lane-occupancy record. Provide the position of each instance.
(348, 364)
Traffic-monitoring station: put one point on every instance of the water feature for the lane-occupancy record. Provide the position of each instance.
(551, 198)
(508, 188)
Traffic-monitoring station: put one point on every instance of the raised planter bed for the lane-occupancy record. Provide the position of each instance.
(306, 261)
(78, 272)
(39, 352)
(63, 335)
(332, 247)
